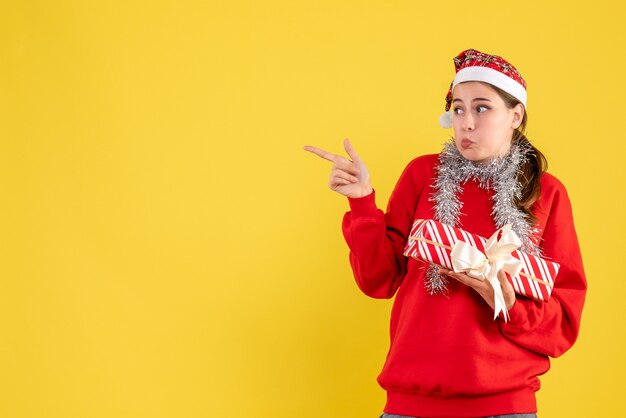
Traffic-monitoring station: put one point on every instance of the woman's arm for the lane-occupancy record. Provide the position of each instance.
(551, 327)
(377, 240)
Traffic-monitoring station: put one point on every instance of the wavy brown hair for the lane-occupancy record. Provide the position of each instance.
(530, 173)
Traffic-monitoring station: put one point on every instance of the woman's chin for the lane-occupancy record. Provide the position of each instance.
(472, 154)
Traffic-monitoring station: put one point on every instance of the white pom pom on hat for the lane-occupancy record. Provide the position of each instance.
(473, 65)
(445, 120)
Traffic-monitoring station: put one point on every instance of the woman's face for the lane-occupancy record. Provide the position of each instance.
(483, 124)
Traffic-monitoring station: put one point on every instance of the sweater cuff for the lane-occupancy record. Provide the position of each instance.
(363, 206)
(518, 316)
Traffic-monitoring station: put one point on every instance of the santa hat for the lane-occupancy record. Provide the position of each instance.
(473, 65)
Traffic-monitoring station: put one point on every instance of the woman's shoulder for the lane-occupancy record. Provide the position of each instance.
(551, 184)
(417, 174)
(552, 194)
(420, 168)
(426, 161)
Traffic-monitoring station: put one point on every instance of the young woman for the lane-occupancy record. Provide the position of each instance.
(448, 356)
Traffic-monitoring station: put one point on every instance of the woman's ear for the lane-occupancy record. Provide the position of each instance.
(518, 115)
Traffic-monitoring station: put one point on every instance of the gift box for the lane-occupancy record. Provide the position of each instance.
(438, 243)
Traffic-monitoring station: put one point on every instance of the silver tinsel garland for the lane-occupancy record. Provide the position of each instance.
(500, 174)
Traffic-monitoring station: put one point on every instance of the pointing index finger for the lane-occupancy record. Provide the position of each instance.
(321, 153)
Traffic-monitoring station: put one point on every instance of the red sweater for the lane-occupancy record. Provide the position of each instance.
(448, 357)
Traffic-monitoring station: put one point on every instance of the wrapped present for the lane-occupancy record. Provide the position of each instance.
(458, 250)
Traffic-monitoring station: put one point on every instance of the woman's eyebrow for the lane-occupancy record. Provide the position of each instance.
(477, 98)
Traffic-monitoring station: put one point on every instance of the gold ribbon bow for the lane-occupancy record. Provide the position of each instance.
(497, 256)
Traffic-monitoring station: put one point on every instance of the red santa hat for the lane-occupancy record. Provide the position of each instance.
(473, 65)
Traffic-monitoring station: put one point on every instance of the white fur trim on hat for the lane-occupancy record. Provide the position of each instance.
(494, 77)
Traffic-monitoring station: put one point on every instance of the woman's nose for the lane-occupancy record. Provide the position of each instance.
(468, 122)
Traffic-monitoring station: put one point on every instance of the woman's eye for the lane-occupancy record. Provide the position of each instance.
(457, 111)
(482, 109)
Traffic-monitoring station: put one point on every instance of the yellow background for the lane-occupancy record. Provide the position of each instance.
(167, 249)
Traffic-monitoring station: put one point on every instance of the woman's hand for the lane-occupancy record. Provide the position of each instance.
(483, 287)
(348, 177)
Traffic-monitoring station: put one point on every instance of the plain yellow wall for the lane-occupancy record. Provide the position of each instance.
(167, 249)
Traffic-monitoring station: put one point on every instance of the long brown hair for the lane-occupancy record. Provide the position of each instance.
(530, 173)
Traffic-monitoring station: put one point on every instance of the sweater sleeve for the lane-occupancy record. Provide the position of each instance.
(551, 327)
(376, 239)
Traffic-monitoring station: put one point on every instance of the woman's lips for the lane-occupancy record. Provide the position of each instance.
(466, 143)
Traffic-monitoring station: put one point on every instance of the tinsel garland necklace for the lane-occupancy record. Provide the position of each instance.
(499, 174)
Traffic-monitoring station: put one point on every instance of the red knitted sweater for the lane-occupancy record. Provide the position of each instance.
(448, 357)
